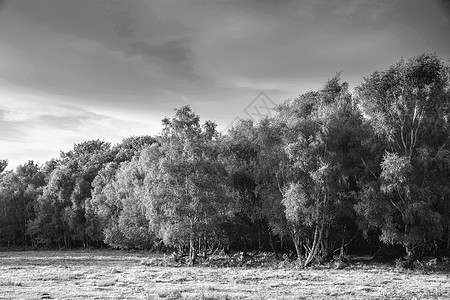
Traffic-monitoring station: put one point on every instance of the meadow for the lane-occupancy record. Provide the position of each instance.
(111, 274)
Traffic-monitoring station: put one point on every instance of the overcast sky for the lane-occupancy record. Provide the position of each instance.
(74, 70)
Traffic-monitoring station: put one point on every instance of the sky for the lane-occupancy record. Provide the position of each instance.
(72, 71)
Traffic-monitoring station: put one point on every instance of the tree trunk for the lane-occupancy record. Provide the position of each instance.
(341, 252)
(272, 245)
(296, 240)
(325, 242)
(281, 245)
(410, 256)
(315, 247)
(192, 250)
(205, 244)
(259, 235)
(437, 252)
(448, 237)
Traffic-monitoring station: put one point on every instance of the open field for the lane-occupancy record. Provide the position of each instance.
(122, 275)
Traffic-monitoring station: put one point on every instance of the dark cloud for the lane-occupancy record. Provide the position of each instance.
(430, 20)
(93, 47)
(173, 51)
(3, 4)
(122, 23)
(175, 55)
(446, 3)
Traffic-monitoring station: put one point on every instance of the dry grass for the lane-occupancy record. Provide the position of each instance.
(122, 275)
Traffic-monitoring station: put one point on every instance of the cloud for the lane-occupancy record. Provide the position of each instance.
(155, 48)
(122, 23)
(139, 59)
(34, 128)
(10, 131)
(91, 48)
(173, 51)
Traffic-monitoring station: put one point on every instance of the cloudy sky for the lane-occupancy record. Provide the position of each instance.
(77, 70)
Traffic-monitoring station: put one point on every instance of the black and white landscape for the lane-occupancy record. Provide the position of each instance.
(253, 149)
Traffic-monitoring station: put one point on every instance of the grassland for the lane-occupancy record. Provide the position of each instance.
(123, 275)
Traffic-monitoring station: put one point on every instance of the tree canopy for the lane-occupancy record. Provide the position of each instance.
(332, 171)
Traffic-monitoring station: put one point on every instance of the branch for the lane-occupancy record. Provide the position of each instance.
(279, 185)
(365, 165)
(348, 243)
(402, 135)
(396, 206)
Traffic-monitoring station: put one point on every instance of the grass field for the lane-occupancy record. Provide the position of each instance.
(123, 275)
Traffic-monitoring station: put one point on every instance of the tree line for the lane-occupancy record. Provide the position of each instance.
(332, 170)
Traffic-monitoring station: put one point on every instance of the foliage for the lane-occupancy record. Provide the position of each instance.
(3, 164)
(330, 168)
(184, 183)
(322, 142)
(19, 191)
(105, 207)
(407, 107)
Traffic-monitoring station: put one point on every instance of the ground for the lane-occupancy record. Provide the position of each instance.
(123, 275)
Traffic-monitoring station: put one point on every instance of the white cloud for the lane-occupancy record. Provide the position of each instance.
(35, 128)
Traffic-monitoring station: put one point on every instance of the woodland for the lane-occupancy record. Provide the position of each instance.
(333, 172)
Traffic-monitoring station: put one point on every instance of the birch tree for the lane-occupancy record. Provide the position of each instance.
(407, 106)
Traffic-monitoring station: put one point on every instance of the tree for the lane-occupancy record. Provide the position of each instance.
(131, 229)
(184, 181)
(3, 165)
(9, 197)
(130, 147)
(407, 107)
(240, 151)
(258, 167)
(49, 226)
(61, 210)
(19, 190)
(322, 138)
(104, 208)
